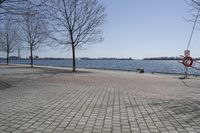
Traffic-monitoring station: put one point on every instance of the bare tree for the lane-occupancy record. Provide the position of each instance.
(11, 6)
(34, 30)
(194, 14)
(16, 6)
(197, 2)
(9, 37)
(79, 22)
(195, 7)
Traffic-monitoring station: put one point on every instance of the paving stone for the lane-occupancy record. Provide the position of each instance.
(96, 103)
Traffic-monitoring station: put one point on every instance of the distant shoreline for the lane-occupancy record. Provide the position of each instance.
(146, 59)
(69, 59)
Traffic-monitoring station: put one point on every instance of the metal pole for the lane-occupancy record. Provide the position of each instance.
(186, 72)
(191, 35)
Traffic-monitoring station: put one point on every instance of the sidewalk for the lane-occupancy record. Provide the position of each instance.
(55, 100)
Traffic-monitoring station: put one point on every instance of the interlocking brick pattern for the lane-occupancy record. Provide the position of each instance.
(38, 101)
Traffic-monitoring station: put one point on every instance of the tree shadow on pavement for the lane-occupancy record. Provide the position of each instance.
(4, 85)
(187, 111)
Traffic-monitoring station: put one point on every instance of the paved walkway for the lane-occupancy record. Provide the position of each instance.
(49, 100)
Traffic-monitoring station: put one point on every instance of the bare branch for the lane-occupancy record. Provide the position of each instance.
(196, 2)
(9, 37)
(15, 7)
(79, 20)
(34, 29)
(195, 7)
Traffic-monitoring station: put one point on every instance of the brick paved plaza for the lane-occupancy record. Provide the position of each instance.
(55, 100)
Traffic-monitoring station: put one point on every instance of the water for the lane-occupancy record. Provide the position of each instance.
(128, 65)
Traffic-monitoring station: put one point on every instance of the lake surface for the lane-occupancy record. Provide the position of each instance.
(149, 66)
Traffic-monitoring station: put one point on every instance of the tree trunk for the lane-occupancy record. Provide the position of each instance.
(31, 50)
(73, 58)
(7, 58)
(7, 48)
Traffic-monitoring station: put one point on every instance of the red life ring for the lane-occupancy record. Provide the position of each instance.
(188, 61)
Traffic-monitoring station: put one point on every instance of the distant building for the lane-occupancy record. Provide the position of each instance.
(13, 57)
(36, 57)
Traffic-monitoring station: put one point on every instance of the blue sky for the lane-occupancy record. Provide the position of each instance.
(139, 29)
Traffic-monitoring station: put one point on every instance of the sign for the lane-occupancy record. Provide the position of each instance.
(187, 53)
